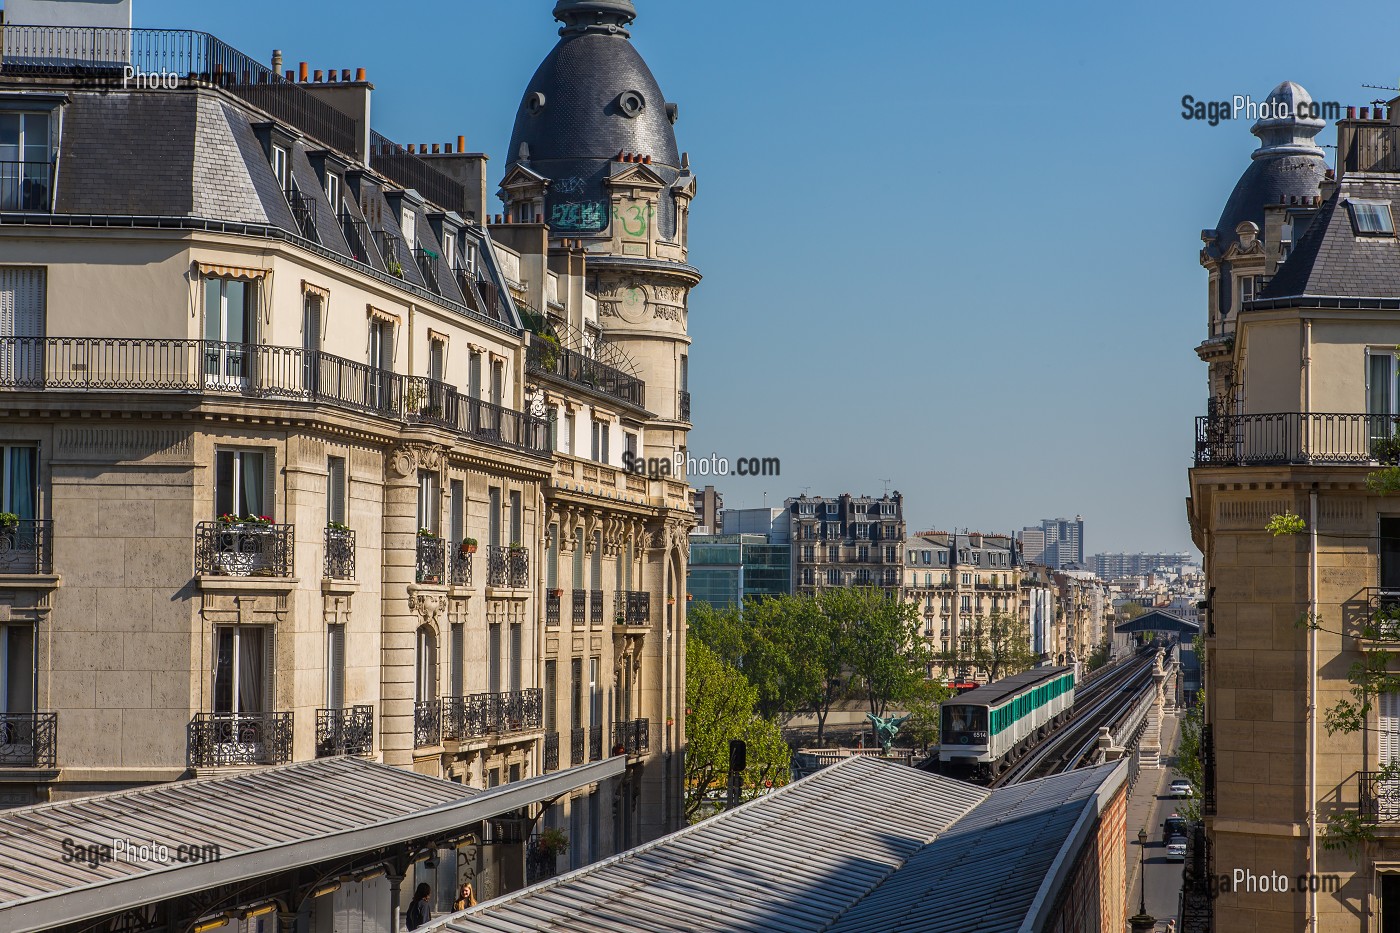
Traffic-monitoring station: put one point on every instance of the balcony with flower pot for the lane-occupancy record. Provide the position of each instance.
(431, 564)
(463, 557)
(238, 553)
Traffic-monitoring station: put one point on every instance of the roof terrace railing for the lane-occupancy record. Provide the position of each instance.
(389, 158)
(144, 56)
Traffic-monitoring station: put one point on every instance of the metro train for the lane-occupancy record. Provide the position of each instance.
(986, 729)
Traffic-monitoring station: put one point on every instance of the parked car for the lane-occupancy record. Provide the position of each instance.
(1176, 849)
(1180, 788)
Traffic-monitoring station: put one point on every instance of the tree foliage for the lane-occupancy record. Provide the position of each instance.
(998, 644)
(886, 653)
(720, 706)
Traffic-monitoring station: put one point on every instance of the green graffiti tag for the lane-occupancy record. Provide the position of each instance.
(633, 219)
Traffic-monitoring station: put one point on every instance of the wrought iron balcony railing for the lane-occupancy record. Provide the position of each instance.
(1379, 794)
(408, 169)
(551, 608)
(26, 186)
(507, 566)
(221, 740)
(427, 265)
(580, 606)
(578, 741)
(1294, 438)
(29, 740)
(595, 743)
(595, 607)
(683, 405)
(387, 242)
(100, 52)
(340, 554)
(348, 731)
(303, 213)
(26, 546)
(462, 562)
(427, 724)
(357, 237)
(243, 549)
(1379, 620)
(431, 564)
(632, 738)
(483, 714)
(290, 374)
(633, 607)
(551, 751)
(550, 359)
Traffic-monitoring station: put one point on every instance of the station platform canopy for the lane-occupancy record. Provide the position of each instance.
(1159, 620)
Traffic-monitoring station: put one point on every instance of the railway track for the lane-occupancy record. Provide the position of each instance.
(1101, 702)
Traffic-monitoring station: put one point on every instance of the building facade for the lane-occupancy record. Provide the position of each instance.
(1113, 566)
(301, 453)
(1056, 543)
(1300, 345)
(847, 541)
(964, 584)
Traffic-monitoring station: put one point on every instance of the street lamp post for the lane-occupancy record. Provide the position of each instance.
(1143, 922)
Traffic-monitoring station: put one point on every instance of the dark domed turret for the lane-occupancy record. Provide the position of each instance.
(591, 99)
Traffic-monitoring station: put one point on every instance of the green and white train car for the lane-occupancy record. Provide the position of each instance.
(983, 728)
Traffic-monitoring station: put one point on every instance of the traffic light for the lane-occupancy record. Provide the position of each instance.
(738, 755)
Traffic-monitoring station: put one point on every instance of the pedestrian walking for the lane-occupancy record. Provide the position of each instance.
(418, 912)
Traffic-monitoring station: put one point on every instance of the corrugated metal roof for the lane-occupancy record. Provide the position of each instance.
(984, 873)
(859, 846)
(262, 821)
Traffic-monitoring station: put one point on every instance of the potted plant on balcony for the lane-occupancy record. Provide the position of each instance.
(556, 592)
(243, 546)
(552, 842)
(548, 352)
(468, 546)
(9, 522)
(338, 527)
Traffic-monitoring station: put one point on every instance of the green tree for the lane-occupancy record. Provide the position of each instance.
(922, 704)
(887, 655)
(1099, 656)
(801, 657)
(722, 630)
(1189, 759)
(1129, 611)
(1004, 646)
(719, 707)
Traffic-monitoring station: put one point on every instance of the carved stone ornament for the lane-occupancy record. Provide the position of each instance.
(407, 460)
(428, 606)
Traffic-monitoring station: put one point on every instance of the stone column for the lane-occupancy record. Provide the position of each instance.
(401, 617)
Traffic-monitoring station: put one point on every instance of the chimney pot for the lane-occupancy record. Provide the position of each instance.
(1351, 113)
(345, 74)
(461, 144)
(332, 75)
(647, 160)
(498, 218)
(291, 75)
(359, 74)
(303, 70)
(436, 149)
(277, 61)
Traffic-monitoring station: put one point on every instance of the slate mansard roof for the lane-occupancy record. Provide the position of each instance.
(863, 846)
(1331, 261)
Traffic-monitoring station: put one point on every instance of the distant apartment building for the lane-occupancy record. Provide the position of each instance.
(846, 541)
(1056, 542)
(962, 584)
(1113, 566)
(708, 505)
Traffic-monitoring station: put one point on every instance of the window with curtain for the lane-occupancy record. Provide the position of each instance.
(240, 483)
(21, 481)
(17, 669)
(1381, 391)
(429, 501)
(425, 667)
(241, 669)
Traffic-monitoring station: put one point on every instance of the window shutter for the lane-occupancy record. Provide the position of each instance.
(269, 466)
(269, 669)
(311, 339)
(516, 638)
(459, 659)
(551, 570)
(335, 662)
(494, 659)
(336, 494)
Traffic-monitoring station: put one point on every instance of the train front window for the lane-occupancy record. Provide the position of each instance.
(957, 719)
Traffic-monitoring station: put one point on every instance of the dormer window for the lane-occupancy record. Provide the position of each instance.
(409, 225)
(1249, 287)
(26, 165)
(281, 168)
(449, 249)
(335, 193)
(1371, 218)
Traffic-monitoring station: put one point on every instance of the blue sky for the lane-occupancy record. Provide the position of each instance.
(947, 246)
